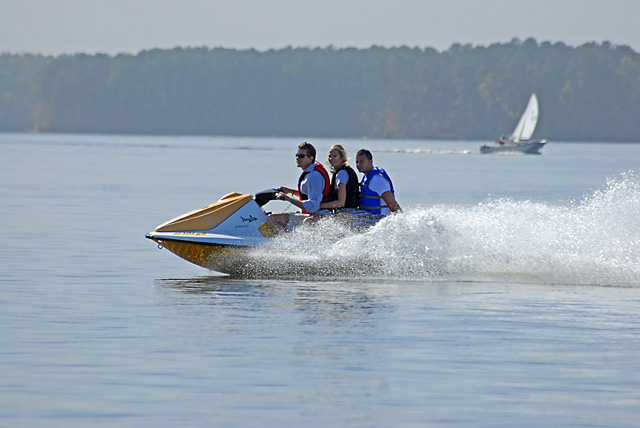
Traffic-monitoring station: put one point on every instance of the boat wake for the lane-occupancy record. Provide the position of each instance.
(592, 241)
(428, 151)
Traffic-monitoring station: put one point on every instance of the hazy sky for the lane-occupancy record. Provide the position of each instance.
(54, 27)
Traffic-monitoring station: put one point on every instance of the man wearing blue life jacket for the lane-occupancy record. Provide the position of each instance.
(377, 196)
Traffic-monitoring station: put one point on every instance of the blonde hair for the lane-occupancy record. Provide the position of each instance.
(342, 152)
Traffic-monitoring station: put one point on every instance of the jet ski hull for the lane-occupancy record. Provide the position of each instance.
(202, 254)
(225, 229)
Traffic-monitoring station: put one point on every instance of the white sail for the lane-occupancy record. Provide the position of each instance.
(528, 121)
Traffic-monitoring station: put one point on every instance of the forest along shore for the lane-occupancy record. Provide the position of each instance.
(586, 93)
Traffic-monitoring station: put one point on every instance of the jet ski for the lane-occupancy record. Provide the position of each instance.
(225, 229)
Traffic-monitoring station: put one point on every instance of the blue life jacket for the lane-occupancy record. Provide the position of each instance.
(370, 200)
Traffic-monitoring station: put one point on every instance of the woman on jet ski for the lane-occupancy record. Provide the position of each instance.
(345, 191)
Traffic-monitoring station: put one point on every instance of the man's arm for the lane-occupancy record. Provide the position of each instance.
(290, 191)
(382, 187)
(294, 201)
(314, 186)
(391, 202)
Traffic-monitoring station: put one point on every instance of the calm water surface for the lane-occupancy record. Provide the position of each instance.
(507, 294)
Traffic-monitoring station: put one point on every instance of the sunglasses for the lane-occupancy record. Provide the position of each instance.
(298, 155)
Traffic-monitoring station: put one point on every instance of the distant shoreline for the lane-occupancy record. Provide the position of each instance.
(589, 93)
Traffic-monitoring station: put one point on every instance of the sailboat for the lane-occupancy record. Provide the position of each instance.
(520, 138)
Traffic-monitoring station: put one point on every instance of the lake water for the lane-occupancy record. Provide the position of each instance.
(507, 293)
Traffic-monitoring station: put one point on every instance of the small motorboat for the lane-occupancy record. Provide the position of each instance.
(233, 224)
(520, 138)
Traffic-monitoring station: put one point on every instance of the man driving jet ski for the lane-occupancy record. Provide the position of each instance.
(313, 189)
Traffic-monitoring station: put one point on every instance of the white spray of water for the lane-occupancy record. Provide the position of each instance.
(592, 241)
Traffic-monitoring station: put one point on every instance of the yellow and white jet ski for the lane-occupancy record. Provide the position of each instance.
(233, 224)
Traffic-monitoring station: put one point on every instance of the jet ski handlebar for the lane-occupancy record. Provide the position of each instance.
(265, 196)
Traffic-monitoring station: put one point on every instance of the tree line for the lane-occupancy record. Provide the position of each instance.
(586, 93)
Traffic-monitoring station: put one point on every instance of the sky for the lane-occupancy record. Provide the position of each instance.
(55, 27)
